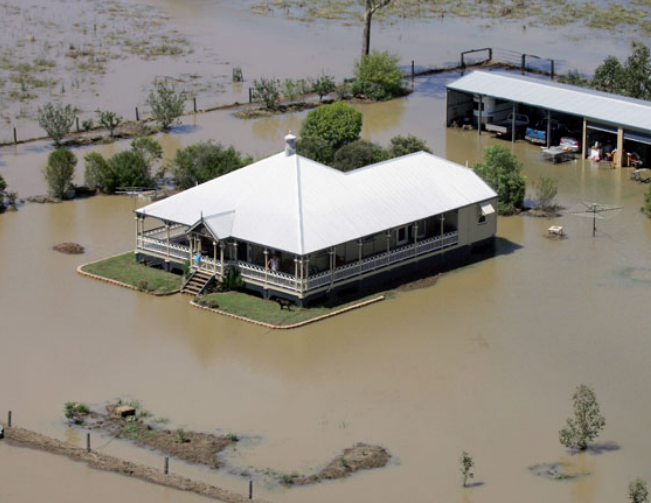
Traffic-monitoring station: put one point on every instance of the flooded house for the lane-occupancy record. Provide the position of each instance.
(297, 229)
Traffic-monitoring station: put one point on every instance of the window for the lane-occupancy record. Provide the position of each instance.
(484, 209)
(401, 235)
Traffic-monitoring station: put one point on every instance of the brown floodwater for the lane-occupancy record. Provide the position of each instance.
(484, 361)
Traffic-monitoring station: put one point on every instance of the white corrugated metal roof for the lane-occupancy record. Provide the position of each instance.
(563, 98)
(297, 205)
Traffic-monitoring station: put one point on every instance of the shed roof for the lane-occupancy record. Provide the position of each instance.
(291, 203)
(563, 98)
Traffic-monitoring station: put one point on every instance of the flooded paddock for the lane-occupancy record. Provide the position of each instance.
(484, 361)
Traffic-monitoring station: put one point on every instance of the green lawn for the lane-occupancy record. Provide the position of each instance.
(267, 311)
(126, 269)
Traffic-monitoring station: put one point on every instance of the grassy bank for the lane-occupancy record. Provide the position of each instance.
(125, 269)
(266, 311)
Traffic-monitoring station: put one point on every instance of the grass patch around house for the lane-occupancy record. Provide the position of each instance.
(268, 311)
(125, 269)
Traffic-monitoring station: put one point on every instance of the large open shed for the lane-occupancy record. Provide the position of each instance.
(598, 116)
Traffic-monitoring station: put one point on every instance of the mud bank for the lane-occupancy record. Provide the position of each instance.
(24, 438)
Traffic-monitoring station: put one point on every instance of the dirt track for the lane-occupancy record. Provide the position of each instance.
(24, 438)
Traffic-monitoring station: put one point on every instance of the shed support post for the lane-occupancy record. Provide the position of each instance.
(584, 139)
(479, 114)
(620, 147)
(442, 224)
(549, 128)
(513, 124)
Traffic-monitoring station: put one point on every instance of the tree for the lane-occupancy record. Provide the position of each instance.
(574, 78)
(56, 120)
(647, 202)
(98, 173)
(316, 149)
(638, 492)
(323, 85)
(381, 69)
(3, 187)
(371, 6)
(403, 145)
(609, 76)
(587, 421)
(268, 92)
(108, 120)
(546, 189)
(358, 154)
(466, 464)
(503, 172)
(204, 161)
(337, 124)
(130, 170)
(147, 148)
(637, 73)
(59, 172)
(166, 104)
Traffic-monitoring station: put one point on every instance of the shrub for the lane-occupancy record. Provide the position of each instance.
(11, 197)
(87, 124)
(130, 170)
(316, 149)
(3, 187)
(403, 145)
(638, 492)
(75, 410)
(358, 154)
(587, 421)
(167, 105)
(466, 464)
(59, 172)
(268, 92)
(647, 201)
(98, 174)
(108, 120)
(181, 436)
(290, 89)
(56, 120)
(545, 189)
(143, 285)
(574, 78)
(323, 85)
(343, 91)
(337, 124)
(370, 90)
(204, 161)
(380, 68)
(147, 148)
(232, 280)
(237, 74)
(502, 170)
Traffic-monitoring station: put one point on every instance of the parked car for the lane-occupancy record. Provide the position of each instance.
(572, 144)
(538, 133)
(504, 128)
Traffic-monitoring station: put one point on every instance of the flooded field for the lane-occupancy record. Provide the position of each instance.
(484, 361)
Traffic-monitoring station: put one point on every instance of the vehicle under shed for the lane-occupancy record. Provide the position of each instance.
(603, 124)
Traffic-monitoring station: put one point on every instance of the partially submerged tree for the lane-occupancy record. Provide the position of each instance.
(381, 70)
(647, 202)
(637, 73)
(358, 154)
(204, 161)
(502, 170)
(338, 124)
(98, 174)
(316, 149)
(371, 6)
(56, 120)
(267, 91)
(609, 76)
(466, 464)
(3, 188)
(167, 104)
(546, 188)
(323, 85)
(587, 421)
(638, 492)
(403, 145)
(59, 172)
(108, 120)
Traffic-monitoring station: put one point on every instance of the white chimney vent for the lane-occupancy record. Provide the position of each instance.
(290, 144)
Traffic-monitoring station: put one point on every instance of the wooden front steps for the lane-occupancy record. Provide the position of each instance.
(196, 283)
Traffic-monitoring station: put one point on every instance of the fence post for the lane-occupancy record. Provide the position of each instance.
(9, 419)
(524, 62)
(463, 64)
(250, 95)
(137, 115)
(552, 68)
(87, 442)
(250, 489)
(194, 101)
(77, 121)
(167, 465)
(412, 70)
(15, 136)
(490, 54)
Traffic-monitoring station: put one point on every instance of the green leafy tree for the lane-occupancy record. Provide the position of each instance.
(502, 170)
(149, 149)
(545, 191)
(337, 124)
(323, 85)
(637, 73)
(108, 120)
(56, 120)
(574, 78)
(466, 465)
(59, 172)
(609, 76)
(167, 104)
(98, 173)
(316, 149)
(371, 6)
(130, 170)
(290, 89)
(204, 161)
(587, 421)
(358, 154)
(403, 145)
(268, 92)
(647, 201)
(638, 492)
(3, 194)
(382, 69)
(87, 124)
